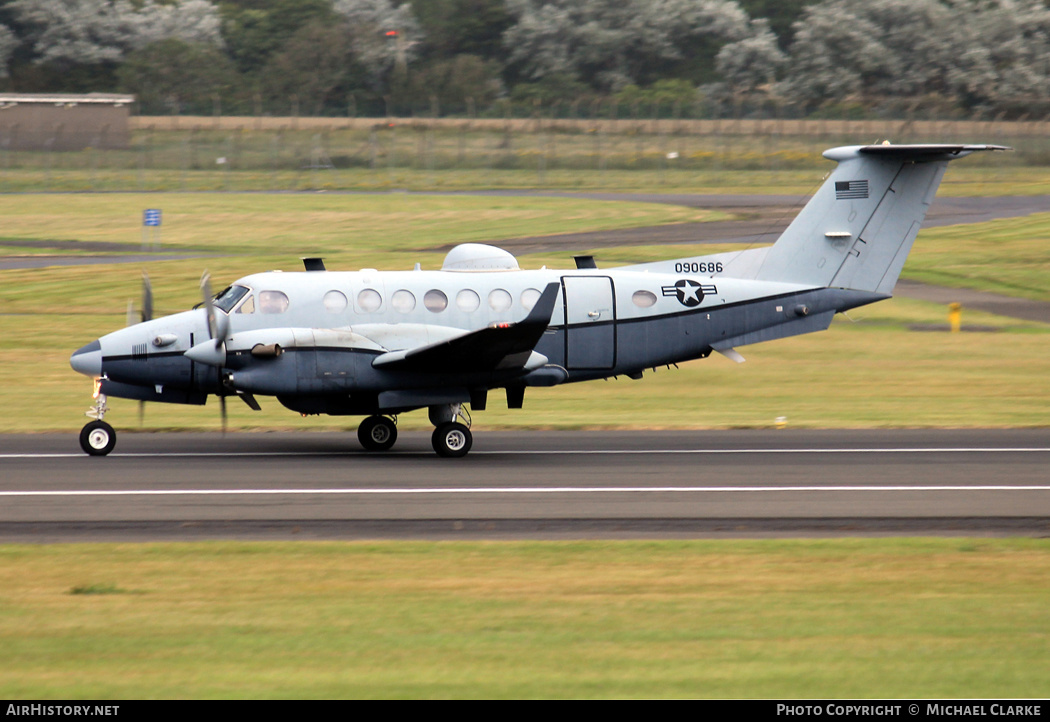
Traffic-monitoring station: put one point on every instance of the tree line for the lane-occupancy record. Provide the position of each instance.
(457, 57)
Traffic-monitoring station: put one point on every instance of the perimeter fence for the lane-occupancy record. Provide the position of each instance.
(278, 154)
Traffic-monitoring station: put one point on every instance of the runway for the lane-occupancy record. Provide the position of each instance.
(544, 485)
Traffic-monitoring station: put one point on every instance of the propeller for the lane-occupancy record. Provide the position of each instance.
(218, 326)
(145, 314)
(147, 298)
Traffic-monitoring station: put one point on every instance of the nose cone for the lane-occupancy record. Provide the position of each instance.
(88, 360)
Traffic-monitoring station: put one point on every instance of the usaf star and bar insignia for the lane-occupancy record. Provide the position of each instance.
(689, 293)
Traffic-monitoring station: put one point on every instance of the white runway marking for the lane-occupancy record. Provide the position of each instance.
(540, 452)
(516, 490)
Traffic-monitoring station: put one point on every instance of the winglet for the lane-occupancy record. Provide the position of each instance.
(544, 308)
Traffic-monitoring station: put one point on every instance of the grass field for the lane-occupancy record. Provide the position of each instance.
(982, 180)
(900, 618)
(260, 154)
(925, 379)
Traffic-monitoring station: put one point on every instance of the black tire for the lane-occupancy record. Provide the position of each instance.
(452, 440)
(97, 438)
(377, 433)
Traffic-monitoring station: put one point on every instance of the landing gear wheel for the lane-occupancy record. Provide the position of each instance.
(452, 440)
(98, 438)
(377, 433)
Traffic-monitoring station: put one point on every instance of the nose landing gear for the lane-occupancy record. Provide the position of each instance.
(98, 438)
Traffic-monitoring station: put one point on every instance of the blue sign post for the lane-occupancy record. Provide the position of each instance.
(151, 220)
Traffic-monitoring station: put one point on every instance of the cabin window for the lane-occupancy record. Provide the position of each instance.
(334, 302)
(500, 300)
(403, 301)
(644, 299)
(467, 300)
(229, 297)
(369, 300)
(247, 306)
(529, 297)
(435, 301)
(272, 302)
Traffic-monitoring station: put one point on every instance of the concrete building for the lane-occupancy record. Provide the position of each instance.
(64, 122)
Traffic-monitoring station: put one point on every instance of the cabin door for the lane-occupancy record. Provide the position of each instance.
(590, 317)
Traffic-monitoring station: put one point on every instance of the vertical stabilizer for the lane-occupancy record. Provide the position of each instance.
(857, 230)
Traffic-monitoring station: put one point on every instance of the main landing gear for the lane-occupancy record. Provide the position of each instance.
(377, 433)
(451, 438)
(98, 438)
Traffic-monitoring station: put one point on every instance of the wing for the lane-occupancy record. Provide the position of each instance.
(501, 346)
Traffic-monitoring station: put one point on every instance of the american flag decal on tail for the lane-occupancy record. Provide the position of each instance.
(851, 190)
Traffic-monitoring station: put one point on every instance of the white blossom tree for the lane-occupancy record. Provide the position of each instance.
(613, 42)
(191, 21)
(97, 31)
(8, 43)
(1005, 50)
(752, 63)
(78, 31)
(975, 51)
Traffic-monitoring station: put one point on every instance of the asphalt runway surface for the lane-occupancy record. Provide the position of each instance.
(543, 485)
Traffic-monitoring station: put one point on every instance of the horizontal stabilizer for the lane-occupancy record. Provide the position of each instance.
(927, 151)
(501, 346)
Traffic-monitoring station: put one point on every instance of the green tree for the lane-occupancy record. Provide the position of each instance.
(313, 65)
(255, 31)
(455, 82)
(463, 27)
(173, 75)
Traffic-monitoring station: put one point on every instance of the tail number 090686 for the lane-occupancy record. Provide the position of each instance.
(693, 267)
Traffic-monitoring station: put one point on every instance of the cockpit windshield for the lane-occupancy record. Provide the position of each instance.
(229, 297)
